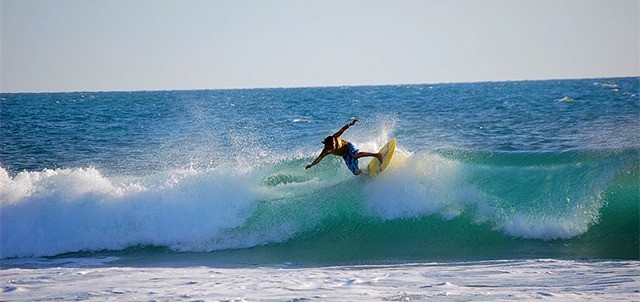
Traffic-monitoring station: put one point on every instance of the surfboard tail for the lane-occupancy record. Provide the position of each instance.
(387, 152)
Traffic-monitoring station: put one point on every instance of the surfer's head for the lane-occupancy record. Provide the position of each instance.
(328, 141)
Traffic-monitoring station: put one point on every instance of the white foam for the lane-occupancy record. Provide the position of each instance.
(558, 280)
(546, 228)
(67, 210)
(416, 185)
(61, 184)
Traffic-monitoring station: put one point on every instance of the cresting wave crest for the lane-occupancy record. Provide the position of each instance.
(427, 200)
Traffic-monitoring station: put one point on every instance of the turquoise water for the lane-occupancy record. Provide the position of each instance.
(533, 169)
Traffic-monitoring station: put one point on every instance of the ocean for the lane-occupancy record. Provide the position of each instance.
(498, 191)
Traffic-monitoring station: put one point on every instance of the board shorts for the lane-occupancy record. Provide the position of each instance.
(350, 159)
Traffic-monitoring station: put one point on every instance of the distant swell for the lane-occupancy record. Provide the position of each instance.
(437, 204)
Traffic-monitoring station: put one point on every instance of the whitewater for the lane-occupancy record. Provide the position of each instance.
(501, 191)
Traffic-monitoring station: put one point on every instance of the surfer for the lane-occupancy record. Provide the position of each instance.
(335, 145)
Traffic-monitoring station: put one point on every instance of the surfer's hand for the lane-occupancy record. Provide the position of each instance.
(307, 167)
(354, 121)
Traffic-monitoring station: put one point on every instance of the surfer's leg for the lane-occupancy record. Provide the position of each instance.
(367, 154)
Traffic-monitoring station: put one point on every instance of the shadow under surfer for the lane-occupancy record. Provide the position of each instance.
(335, 145)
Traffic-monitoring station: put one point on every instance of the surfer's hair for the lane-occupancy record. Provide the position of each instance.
(328, 141)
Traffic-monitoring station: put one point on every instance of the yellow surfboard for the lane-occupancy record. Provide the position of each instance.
(387, 154)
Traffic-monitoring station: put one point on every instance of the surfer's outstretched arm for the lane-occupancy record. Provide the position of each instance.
(345, 127)
(318, 159)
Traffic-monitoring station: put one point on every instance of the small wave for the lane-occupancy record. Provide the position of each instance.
(611, 85)
(566, 99)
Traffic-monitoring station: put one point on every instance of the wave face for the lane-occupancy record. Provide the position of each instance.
(446, 204)
(528, 169)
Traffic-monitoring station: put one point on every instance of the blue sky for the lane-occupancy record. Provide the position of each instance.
(98, 45)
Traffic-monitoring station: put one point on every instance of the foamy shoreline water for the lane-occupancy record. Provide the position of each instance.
(95, 279)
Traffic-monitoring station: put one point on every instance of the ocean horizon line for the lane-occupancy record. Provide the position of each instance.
(320, 86)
